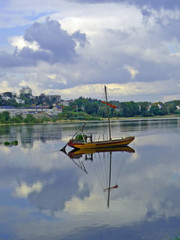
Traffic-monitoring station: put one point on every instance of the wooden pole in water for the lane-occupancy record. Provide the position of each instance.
(108, 113)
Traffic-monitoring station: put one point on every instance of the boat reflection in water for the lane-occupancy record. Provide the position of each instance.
(81, 156)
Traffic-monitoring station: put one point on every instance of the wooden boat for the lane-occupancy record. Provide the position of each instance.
(83, 144)
(82, 141)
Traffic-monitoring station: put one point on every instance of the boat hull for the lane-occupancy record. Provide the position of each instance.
(101, 144)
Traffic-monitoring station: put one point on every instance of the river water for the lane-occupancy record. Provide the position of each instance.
(130, 193)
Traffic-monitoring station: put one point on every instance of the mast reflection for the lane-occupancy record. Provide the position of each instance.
(81, 156)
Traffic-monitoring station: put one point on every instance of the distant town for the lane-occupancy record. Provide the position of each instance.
(27, 108)
(25, 103)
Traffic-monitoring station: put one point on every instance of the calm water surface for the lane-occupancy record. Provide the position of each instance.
(47, 194)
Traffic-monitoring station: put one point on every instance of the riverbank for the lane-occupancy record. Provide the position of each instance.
(103, 119)
(149, 118)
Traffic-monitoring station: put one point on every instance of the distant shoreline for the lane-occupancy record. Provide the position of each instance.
(103, 119)
(149, 118)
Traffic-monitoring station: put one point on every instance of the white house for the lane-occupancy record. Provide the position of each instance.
(34, 110)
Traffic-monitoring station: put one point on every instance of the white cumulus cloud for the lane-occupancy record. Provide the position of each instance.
(23, 191)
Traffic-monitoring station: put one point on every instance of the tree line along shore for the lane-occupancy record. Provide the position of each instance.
(93, 109)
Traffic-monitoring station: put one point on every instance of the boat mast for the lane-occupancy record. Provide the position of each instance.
(108, 113)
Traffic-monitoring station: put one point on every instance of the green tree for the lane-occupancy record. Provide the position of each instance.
(144, 108)
(29, 118)
(171, 107)
(17, 119)
(4, 117)
(1, 101)
(92, 108)
(129, 109)
(154, 110)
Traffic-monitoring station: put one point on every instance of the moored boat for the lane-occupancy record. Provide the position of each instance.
(82, 141)
(84, 144)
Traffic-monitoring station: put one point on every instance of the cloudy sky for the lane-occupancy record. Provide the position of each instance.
(74, 47)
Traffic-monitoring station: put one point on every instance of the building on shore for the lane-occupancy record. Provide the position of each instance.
(31, 110)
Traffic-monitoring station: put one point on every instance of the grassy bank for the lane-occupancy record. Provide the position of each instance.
(50, 121)
(144, 118)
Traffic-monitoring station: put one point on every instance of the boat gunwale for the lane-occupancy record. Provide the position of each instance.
(99, 144)
(102, 141)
